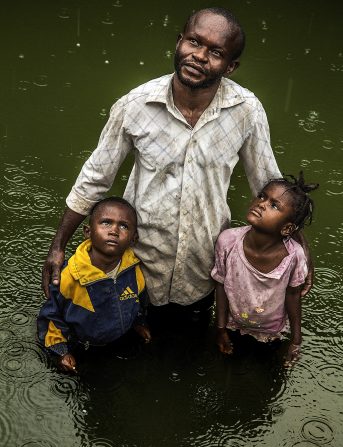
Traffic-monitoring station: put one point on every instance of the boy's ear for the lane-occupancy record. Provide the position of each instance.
(134, 239)
(288, 229)
(86, 231)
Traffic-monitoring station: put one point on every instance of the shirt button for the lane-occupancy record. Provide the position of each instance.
(184, 212)
(190, 159)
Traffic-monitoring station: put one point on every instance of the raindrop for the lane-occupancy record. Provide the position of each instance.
(264, 25)
(307, 50)
(23, 85)
(107, 20)
(168, 54)
(41, 81)
(117, 4)
(107, 61)
(64, 14)
(166, 20)
(103, 112)
(78, 44)
(21, 56)
(141, 63)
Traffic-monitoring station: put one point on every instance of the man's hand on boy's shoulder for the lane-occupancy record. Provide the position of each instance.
(144, 332)
(67, 363)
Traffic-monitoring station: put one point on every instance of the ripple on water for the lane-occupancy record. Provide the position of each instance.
(327, 281)
(317, 430)
(40, 396)
(7, 427)
(330, 377)
(23, 361)
(99, 442)
(34, 442)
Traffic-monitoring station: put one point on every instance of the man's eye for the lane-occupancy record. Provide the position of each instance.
(216, 53)
(193, 42)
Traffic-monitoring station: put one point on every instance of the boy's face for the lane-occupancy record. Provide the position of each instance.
(272, 211)
(112, 229)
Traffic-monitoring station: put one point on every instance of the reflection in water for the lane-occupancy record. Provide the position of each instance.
(57, 91)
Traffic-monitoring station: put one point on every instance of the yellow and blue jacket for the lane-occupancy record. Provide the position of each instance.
(88, 306)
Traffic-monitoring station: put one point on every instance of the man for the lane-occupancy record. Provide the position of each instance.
(187, 132)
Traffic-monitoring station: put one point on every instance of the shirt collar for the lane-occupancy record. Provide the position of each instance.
(228, 94)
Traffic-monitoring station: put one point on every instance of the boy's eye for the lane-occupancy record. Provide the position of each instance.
(274, 205)
(260, 196)
(123, 227)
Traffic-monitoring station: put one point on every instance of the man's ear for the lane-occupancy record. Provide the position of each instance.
(178, 39)
(288, 229)
(86, 231)
(233, 65)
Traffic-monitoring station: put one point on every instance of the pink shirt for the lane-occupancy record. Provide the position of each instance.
(256, 299)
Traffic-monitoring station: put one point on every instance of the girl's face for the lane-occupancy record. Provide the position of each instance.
(272, 211)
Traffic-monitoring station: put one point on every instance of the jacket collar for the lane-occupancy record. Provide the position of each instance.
(85, 272)
(229, 93)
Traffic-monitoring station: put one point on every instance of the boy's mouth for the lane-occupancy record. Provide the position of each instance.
(112, 243)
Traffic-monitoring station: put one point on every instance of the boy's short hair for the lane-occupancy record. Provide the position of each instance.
(114, 200)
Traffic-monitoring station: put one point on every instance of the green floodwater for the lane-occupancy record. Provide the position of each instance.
(63, 63)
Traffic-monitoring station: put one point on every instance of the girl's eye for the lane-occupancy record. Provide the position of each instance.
(274, 205)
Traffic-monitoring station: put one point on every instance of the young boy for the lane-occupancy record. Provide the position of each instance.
(98, 299)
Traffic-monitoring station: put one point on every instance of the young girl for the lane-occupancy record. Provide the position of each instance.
(259, 269)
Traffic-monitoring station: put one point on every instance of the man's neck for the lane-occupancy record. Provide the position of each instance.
(192, 102)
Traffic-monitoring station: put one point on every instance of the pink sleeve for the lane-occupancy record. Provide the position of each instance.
(224, 245)
(300, 269)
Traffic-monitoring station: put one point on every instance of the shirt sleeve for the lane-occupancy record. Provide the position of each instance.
(300, 269)
(99, 171)
(223, 247)
(53, 332)
(256, 153)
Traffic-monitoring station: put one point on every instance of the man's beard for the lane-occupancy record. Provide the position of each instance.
(210, 80)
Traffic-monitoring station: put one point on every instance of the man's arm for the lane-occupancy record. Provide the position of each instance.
(95, 179)
(52, 267)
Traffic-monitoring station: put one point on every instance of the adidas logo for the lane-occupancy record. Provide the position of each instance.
(128, 294)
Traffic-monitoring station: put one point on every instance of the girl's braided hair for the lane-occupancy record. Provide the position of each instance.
(302, 204)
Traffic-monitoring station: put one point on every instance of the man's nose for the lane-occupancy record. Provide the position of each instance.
(200, 54)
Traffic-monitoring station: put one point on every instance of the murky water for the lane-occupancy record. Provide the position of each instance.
(63, 64)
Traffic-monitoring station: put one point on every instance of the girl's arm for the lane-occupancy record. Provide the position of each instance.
(223, 339)
(293, 309)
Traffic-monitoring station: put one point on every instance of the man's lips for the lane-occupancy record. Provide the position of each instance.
(194, 68)
(255, 212)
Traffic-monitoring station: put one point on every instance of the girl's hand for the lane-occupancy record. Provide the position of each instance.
(223, 341)
(68, 363)
(292, 355)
